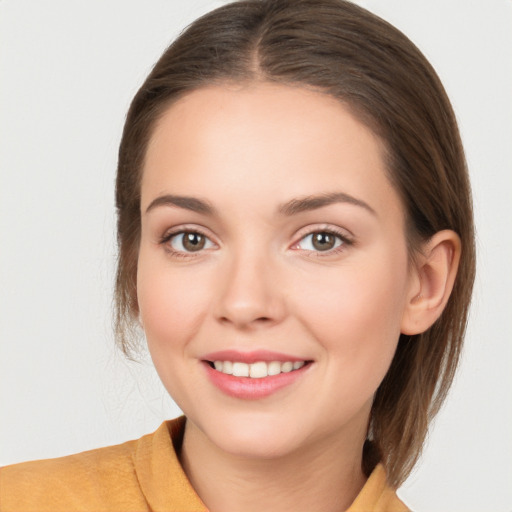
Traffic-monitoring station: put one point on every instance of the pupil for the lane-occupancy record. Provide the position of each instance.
(193, 241)
(323, 241)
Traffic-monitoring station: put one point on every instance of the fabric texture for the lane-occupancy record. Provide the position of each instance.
(137, 476)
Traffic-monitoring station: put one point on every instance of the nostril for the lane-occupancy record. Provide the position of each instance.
(245, 322)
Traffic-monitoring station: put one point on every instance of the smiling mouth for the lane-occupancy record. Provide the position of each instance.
(257, 370)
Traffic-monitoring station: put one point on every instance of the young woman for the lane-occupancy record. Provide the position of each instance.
(296, 241)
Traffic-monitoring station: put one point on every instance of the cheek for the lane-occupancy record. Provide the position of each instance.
(171, 303)
(355, 314)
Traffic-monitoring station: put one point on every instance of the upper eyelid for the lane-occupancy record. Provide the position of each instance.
(165, 240)
(345, 242)
(329, 228)
(187, 229)
(168, 236)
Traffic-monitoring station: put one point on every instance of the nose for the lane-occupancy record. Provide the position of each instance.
(251, 293)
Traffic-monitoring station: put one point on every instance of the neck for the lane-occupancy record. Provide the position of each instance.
(325, 477)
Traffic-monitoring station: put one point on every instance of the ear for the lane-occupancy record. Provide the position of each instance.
(433, 274)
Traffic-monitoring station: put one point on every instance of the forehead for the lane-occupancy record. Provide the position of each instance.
(267, 140)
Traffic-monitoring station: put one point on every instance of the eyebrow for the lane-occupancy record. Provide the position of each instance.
(188, 203)
(289, 208)
(318, 201)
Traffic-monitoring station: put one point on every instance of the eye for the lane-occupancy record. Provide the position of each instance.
(321, 241)
(188, 241)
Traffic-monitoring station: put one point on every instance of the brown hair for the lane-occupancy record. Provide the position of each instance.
(343, 50)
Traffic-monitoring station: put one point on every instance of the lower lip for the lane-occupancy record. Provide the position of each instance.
(253, 389)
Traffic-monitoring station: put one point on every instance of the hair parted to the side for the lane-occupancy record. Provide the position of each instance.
(342, 50)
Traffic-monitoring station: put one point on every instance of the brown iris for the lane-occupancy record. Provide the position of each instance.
(323, 241)
(193, 241)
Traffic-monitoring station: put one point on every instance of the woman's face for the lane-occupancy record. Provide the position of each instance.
(270, 236)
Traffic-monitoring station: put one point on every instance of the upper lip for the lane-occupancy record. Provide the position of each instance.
(252, 356)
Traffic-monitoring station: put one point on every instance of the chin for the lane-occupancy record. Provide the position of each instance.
(258, 445)
(255, 436)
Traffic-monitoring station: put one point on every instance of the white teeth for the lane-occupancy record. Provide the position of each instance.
(274, 368)
(257, 370)
(287, 367)
(227, 367)
(240, 369)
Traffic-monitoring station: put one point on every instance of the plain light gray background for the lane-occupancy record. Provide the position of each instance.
(68, 71)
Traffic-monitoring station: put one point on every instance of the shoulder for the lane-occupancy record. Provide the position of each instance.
(377, 495)
(92, 480)
(136, 476)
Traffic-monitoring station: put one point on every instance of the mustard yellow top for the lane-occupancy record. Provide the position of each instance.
(137, 476)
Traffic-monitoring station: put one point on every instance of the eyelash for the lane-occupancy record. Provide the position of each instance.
(345, 242)
(179, 254)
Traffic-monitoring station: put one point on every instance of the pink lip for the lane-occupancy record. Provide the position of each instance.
(250, 357)
(252, 389)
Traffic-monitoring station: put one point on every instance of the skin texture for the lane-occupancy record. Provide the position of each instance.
(260, 284)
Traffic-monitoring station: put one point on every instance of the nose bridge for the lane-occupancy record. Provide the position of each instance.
(249, 290)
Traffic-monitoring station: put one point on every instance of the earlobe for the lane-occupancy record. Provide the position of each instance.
(434, 275)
